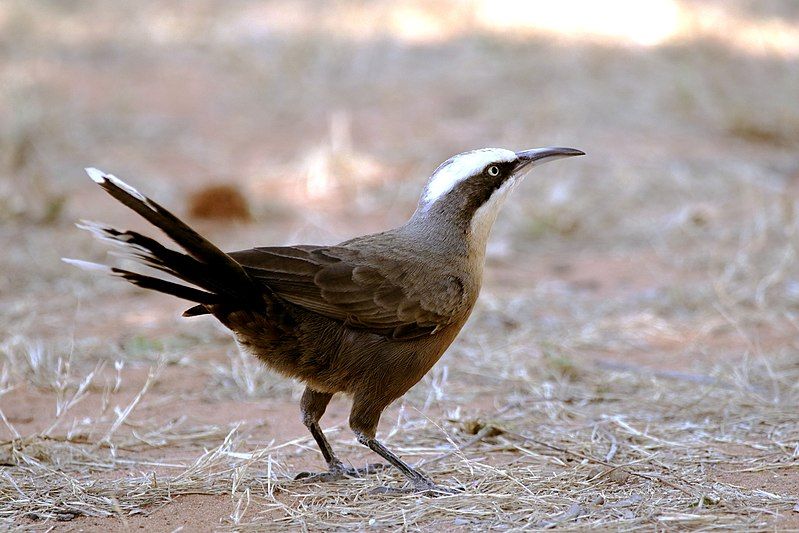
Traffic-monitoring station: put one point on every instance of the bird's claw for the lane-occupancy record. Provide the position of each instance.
(339, 472)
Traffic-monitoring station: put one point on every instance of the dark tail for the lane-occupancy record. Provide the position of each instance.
(220, 279)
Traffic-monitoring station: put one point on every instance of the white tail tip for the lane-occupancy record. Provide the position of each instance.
(97, 176)
(87, 265)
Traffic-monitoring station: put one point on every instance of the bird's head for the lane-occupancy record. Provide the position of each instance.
(469, 189)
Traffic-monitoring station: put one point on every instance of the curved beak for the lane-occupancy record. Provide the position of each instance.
(538, 156)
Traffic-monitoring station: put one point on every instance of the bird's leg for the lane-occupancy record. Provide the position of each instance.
(365, 432)
(313, 405)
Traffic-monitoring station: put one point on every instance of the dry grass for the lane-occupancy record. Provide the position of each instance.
(604, 448)
(632, 363)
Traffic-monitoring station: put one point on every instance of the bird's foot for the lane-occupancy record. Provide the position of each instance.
(425, 488)
(340, 471)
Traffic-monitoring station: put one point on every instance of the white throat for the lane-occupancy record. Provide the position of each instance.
(485, 216)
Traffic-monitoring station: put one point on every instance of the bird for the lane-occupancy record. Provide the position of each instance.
(367, 317)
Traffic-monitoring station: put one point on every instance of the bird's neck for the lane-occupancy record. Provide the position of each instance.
(456, 223)
(456, 235)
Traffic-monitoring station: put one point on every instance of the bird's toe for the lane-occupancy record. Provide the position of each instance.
(339, 472)
(314, 477)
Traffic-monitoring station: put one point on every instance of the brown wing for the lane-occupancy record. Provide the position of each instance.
(337, 283)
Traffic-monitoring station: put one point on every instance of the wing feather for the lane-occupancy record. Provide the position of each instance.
(335, 282)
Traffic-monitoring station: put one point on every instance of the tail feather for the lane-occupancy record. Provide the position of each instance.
(167, 287)
(149, 282)
(217, 277)
(195, 244)
(153, 254)
(197, 310)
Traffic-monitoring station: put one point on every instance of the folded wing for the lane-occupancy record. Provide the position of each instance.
(337, 283)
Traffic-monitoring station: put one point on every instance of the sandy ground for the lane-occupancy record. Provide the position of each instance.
(664, 260)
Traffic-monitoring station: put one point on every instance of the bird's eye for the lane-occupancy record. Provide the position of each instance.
(493, 171)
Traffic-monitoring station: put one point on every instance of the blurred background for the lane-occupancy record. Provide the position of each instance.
(330, 115)
(323, 120)
(310, 121)
(324, 109)
(670, 246)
